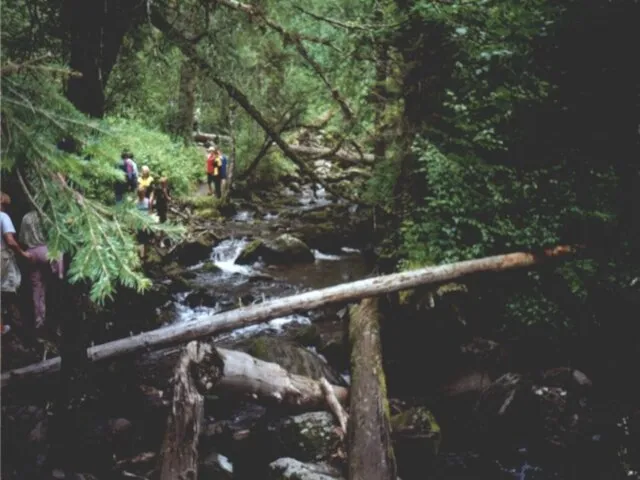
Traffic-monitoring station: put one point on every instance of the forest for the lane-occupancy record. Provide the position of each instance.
(421, 258)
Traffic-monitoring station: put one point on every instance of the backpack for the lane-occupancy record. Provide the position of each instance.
(223, 167)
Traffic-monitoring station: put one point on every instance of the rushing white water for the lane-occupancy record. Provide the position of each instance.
(276, 325)
(225, 254)
(243, 216)
(326, 256)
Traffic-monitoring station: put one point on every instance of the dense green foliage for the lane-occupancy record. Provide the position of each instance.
(490, 119)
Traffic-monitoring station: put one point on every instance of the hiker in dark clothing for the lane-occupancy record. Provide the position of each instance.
(160, 198)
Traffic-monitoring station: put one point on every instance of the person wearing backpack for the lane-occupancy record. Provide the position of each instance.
(214, 162)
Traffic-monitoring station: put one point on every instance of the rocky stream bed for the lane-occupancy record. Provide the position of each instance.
(458, 409)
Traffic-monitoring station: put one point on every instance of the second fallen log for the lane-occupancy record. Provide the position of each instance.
(369, 431)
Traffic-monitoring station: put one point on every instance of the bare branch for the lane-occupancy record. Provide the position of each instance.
(296, 39)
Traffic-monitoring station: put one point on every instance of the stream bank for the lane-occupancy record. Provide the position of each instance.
(459, 409)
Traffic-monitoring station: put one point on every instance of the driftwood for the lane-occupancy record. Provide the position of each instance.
(197, 372)
(243, 375)
(270, 384)
(369, 431)
(241, 317)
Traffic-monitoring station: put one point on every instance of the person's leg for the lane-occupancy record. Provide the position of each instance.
(162, 214)
(209, 181)
(38, 283)
(39, 294)
(218, 191)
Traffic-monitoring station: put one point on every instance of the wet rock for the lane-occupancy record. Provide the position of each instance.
(292, 469)
(210, 267)
(416, 440)
(215, 467)
(251, 253)
(178, 284)
(191, 252)
(292, 357)
(284, 250)
(309, 437)
(200, 298)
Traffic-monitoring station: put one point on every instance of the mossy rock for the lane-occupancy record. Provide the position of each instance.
(292, 357)
(309, 437)
(207, 213)
(309, 336)
(416, 438)
(210, 267)
(284, 250)
(201, 201)
(251, 253)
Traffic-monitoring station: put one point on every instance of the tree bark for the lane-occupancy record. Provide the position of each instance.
(183, 126)
(226, 190)
(198, 370)
(96, 28)
(346, 292)
(369, 431)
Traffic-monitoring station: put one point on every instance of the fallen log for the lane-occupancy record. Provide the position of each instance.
(345, 156)
(197, 371)
(241, 317)
(369, 431)
(270, 384)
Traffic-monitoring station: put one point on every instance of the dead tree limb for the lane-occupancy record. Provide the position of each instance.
(270, 384)
(250, 315)
(296, 39)
(197, 371)
(369, 432)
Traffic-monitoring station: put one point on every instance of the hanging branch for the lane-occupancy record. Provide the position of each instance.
(266, 145)
(190, 51)
(296, 39)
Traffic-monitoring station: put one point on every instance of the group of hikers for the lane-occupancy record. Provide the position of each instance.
(151, 194)
(30, 245)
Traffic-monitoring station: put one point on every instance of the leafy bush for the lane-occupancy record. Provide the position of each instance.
(182, 165)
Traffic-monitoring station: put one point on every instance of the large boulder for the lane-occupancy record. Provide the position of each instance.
(416, 440)
(292, 469)
(284, 250)
(192, 251)
(292, 357)
(308, 437)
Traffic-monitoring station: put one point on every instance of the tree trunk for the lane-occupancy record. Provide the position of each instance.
(241, 317)
(198, 370)
(96, 28)
(226, 190)
(369, 430)
(183, 126)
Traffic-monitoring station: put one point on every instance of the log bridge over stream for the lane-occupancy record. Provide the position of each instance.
(369, 445)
